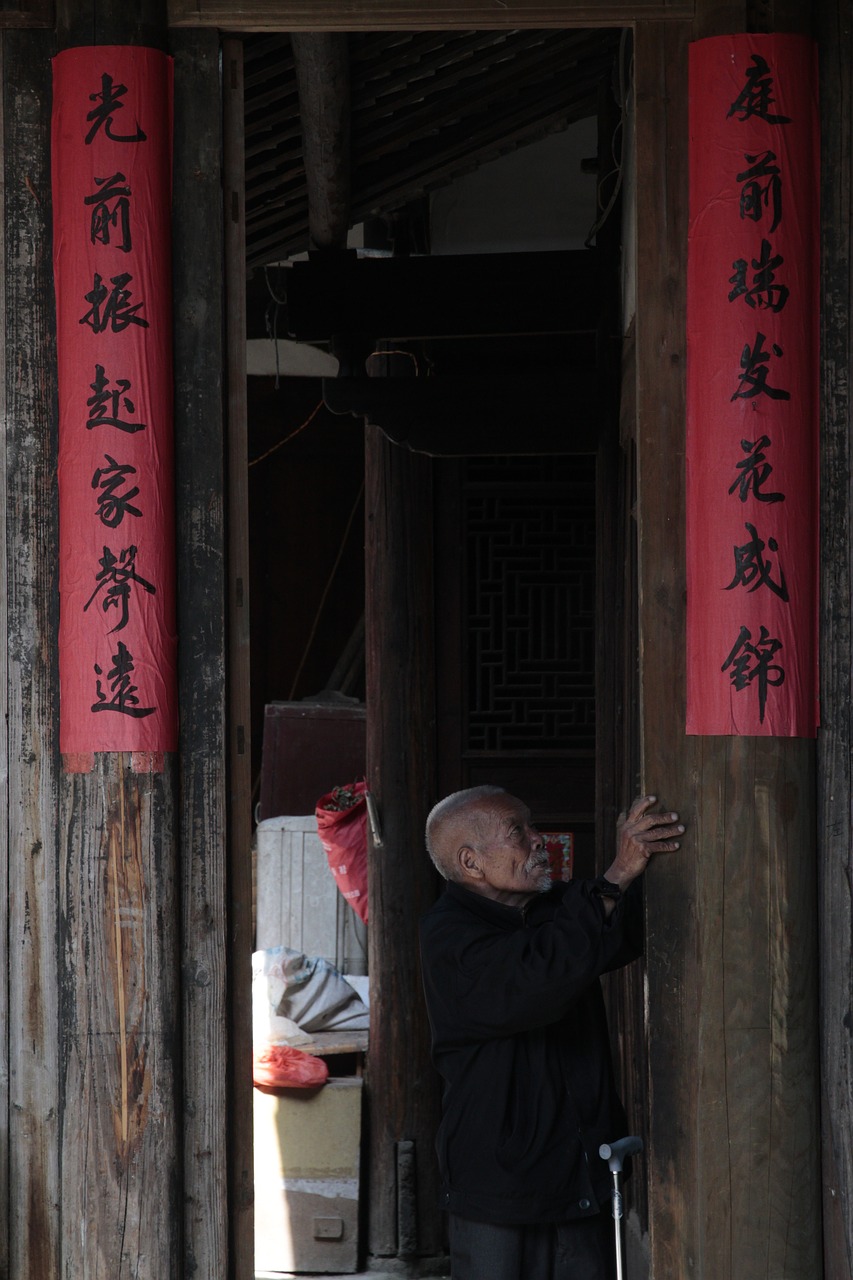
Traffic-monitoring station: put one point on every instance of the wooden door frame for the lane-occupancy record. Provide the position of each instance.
(403, 15)
(678, 898)
(269, 18)
(662, 33)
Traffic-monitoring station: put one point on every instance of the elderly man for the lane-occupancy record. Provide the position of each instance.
(511, 968)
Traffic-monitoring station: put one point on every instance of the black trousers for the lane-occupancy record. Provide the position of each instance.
(582, 1250)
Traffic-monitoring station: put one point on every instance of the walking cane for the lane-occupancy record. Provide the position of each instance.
(615, 1153)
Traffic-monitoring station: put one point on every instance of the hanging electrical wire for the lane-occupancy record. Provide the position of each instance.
(271, 319)
(312, 415)
(625, 66)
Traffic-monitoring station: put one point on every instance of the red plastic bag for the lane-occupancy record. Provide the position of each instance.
(342, 827)
(280, 1066)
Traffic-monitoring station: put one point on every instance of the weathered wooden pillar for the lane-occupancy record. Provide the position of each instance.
(207, 1109)
(120, 1158)
(31, 860)
(733, 1157)
(238, 863)
(402, 1087)
(835, 744)
(113, 1168)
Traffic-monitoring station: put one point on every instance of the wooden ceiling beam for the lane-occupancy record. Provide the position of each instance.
(27, 13)
(377, 57)
(431, 163)
(391, 15)
(424, 108)
(450, 59)
(452, 417)
(436, 68)
(380, 188)
(423, 297)
(453, 86)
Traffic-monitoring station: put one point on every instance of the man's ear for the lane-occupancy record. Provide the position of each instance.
(470, 863)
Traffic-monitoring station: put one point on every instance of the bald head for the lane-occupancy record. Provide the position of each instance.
(465, 817)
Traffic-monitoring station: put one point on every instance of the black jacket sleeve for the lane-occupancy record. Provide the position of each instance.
(487, 977)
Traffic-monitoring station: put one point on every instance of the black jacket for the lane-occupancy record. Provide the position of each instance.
(521, 1041)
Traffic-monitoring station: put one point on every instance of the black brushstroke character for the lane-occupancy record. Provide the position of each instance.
(111, 309)
(755, 198)
(108, 102)
(112, 505)
(124, 699)
(756, 96)
(118, 574)
(753, 378)
(754, 470)
(110, 210)
(763, 293)
(106, 405)
(754, 662)
(752, 569)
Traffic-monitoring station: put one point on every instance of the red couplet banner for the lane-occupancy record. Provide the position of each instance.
(752, 387)
(111, 180)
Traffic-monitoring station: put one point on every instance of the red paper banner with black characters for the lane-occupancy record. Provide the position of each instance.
(752, 387)
(111, 181)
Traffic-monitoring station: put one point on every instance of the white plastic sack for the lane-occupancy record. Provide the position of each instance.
(306, 991)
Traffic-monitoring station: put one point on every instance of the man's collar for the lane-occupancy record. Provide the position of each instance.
(497, 912)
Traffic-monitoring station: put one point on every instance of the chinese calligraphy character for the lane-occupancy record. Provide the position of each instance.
(752, 570)
(753, 379)
(756, 97)
(105, 405)
(114, 506)
(124, 699)
(754, 471)
(754, 662)
(104, 217)
(117, 575)
(754, 198)
(112, 309)
(764, 292)
(108, 102)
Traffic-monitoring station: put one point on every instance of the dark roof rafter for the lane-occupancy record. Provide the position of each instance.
(425, 107)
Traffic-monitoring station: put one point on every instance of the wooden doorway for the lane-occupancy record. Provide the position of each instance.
(522, 352)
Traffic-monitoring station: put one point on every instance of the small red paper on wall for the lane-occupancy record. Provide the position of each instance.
(559, 846)
(752, 387)
(111, 181)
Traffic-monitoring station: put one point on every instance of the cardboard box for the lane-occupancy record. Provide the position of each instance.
(307, 1154)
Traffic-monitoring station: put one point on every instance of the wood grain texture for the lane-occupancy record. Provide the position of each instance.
(4, 712)
(355, 15)
(402, 1085)
(28, 13)
(323, 78)
(835, 827)
(121, 1192)
(97, 1053)
(731, 955)
(298, 902)
(239, 775)
(201, 594)
(34, 1096)
(92, 22)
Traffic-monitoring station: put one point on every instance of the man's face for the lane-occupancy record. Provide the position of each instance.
(513, 861)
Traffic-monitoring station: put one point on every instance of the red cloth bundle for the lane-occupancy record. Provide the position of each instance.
(280, 1066)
